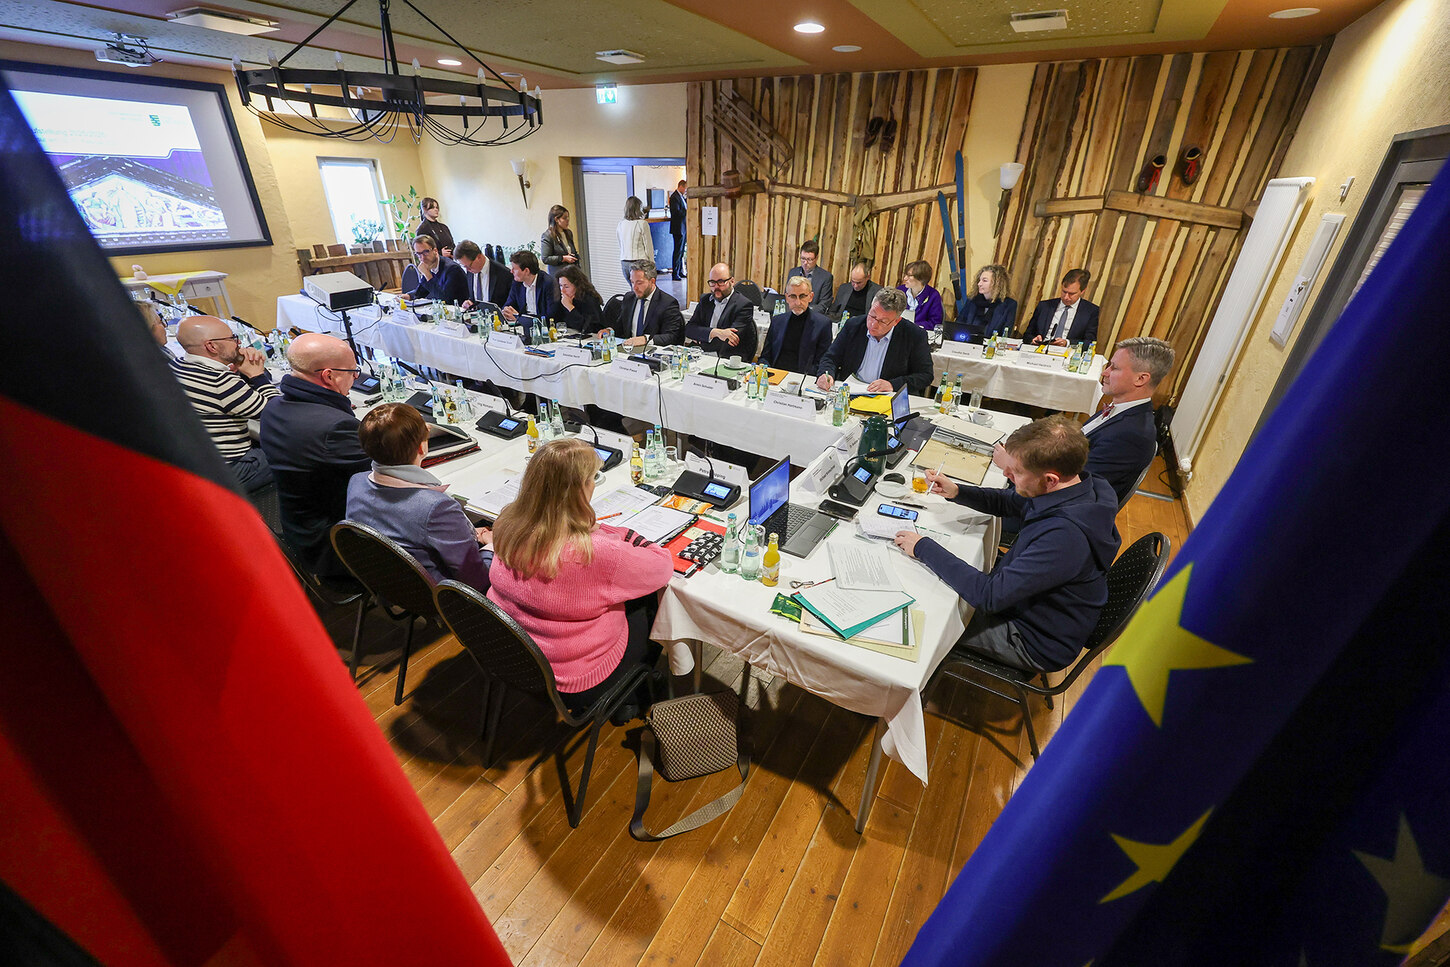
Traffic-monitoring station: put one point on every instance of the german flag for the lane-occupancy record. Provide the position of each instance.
(187, 775)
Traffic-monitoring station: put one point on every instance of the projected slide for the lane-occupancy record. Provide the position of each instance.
(134, 170)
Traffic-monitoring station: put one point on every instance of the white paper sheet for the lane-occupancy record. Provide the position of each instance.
(862, 567)
(625, 502)
(656, 523)
(498, 498)
(848, 608)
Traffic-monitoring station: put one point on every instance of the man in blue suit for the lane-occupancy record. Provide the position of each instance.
(1122, 438)
(799, 337)
(724, 320)
(440, 277)
(1070, 319)
(532, 293)
(488, 281)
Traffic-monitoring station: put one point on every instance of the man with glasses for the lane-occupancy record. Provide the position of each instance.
(310, 437)
(876, 353)
(441, 278)
(724, 320)
(227, 386)
(799, 337)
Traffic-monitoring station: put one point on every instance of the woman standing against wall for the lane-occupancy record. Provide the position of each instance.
(431, 226)
(556, 245)
(634, 241)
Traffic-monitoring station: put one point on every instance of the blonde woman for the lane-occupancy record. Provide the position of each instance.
(635, 244)
(585, 591)
(991, 311)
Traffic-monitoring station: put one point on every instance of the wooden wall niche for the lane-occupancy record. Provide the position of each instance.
(829, 174)
(1159, 261)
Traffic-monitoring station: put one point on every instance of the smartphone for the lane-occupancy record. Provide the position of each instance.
(838, 510)
(900, 513)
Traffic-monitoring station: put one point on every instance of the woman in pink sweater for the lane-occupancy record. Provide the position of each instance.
(586, 592)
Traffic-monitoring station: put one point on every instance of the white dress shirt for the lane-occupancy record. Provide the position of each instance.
(1062, 320)
(1100, 419)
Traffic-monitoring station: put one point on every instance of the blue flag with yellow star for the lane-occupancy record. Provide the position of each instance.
(1257, 774)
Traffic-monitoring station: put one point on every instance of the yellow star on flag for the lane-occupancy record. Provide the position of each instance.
(1414, 893)
(1155, 644)
(1153, 860)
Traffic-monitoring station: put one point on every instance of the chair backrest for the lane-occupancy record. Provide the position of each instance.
(750, 290)
(495, 641)
(612, 309)
(410, 278)
(1133, 489)
(335, 591)
(384, 568)
(1130, 580)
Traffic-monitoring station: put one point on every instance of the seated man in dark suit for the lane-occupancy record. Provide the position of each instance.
(724, 320)
(532, 293)
(799, 337)
(647, 313)
(1070, 319)
(310, 438)
(879, 352)
(488, 281)
(1122, 438)
(1037, 607)
(853, 298)
(440, 277)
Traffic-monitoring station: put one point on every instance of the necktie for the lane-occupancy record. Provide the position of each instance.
(478, 287)
(639, 317)
(1107, 411)
(1058, 322)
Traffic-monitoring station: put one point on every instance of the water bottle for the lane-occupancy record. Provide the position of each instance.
(546, 425)
(838, 406)
(762, 382)
(730, 550)
(750, 555)
(465, 405)
(957, 393)
(651, 457)
(556, 421)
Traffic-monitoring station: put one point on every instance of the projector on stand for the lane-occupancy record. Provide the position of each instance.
(338, 290)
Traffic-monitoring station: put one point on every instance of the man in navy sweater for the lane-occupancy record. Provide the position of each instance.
(1036, 609)
(1121, 437)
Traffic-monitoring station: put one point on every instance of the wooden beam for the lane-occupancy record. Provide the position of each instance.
(887, 201)
(1050, 207)
(1154, 206)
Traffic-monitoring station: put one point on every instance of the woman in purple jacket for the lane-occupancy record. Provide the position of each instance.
(921, 299)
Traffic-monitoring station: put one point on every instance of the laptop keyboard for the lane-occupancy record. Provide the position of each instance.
(789, 519)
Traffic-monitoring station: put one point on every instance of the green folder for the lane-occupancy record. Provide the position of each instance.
(868, 607)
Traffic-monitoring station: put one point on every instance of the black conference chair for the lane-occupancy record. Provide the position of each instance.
(507, 656)
(1130, 580)
(394, 581)
(751, 291)
(338, 592)
(1134, 489)
(410, 279)
(611, 311)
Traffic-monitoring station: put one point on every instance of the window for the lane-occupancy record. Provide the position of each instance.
(352, 189)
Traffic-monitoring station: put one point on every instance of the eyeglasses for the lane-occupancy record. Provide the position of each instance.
(234, 337)
(337, 369)
(722, 281)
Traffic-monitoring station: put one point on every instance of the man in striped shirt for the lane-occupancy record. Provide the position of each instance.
(227, 385)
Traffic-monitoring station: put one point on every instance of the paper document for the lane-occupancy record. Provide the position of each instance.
(862, 567)
(957, 464)
(966, 428)
(657, 524)
(848, 612)
(879, 526)
(624, 502)
(498, 498)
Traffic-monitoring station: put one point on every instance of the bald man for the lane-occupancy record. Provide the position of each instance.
(310, 437)
(723, 320)
(227, 386)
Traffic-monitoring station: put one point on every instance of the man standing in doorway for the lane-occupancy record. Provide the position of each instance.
(677, 229)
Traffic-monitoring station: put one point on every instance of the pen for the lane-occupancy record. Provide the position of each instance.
(607, 516)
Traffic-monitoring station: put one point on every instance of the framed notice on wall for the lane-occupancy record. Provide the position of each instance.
(709, 221)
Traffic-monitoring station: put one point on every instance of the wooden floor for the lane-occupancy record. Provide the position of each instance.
(783, 878)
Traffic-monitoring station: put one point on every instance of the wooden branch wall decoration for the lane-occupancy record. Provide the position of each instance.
(750, 132)
(1159, 260)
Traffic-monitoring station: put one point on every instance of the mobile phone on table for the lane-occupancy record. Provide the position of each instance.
(900, 513)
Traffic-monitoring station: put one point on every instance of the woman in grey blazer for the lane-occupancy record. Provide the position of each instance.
(556, 245)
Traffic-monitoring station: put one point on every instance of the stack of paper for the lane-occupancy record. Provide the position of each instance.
(622, 503)
(658, 524)
(879, 526)
(848, 612)
(863, 567)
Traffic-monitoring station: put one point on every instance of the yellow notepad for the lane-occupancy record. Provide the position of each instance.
(958, 464)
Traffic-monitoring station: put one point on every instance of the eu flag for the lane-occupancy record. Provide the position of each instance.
(1257, 774)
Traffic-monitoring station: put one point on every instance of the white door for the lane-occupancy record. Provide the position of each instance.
(604, 197)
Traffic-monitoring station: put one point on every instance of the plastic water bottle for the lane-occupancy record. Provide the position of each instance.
(556, 422)
(730, 550)
(838, 406)
(750, 555)
(957, 393)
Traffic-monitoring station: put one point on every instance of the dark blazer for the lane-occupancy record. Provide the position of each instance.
(844, 292)
(586, 316)
(677, 213)
(552, 253)
(815, 340)
(996, 319)
(500, 281)
(822, 285)
(738, 314)
(663, 319)
(908, 357)
(449, 283)
(1122, 447)
(546, 293)
(309, 435)
(1084, 326)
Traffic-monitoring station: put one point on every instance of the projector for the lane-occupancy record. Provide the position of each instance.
(127, 50)
(338, 290)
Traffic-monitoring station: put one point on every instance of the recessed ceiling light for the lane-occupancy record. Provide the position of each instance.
(809, 27)
(449, 62)
(846, 48)
(1294, 12)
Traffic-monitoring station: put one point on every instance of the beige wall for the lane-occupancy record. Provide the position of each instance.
(478, 194)
(999, 104)
(1387, 73)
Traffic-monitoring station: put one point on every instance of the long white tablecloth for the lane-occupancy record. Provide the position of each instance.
(733, 421)
(1038, 380)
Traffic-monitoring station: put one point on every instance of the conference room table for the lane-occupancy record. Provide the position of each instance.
(734, 614)
(677, 405)
(1038, 379)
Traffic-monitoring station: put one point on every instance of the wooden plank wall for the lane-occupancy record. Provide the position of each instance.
(824, 117)
(1090, 127)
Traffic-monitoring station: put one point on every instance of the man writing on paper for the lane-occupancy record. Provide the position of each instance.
(1037, 607)
(724, 320)
(878, 352)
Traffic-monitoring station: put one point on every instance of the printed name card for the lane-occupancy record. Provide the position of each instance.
(1041, 361)
(820, 475)
(967, 350)
(632, 369)
(800, 407)
(706, 386)
(573, 354)
(505, 340)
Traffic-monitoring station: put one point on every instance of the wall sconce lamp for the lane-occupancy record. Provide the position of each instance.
(521, 168)
(1007, 177)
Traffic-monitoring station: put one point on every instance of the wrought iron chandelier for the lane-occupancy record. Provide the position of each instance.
(382, 104)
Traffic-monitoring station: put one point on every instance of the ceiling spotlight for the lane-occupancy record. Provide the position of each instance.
(846, 48)
(1294, 12)
(809, 27)
(449, 62)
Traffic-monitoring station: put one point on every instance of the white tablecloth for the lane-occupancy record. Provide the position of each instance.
(1037, 380)
(733, 421)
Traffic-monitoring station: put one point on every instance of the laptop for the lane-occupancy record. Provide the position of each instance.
(910, 434)
(800, 528)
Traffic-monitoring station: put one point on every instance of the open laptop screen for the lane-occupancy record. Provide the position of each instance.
(900, 405)
(770, 492)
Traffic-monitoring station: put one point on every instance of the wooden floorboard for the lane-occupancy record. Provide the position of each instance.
(782, 879)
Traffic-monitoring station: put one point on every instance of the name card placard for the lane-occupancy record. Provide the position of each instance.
(1041, 361)
(706, 386)
(505, 340)
(484, 401)
(821, 474)
(729, 472)
(800, 407)
(574, 354)
(967, 350)
(632, 369)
